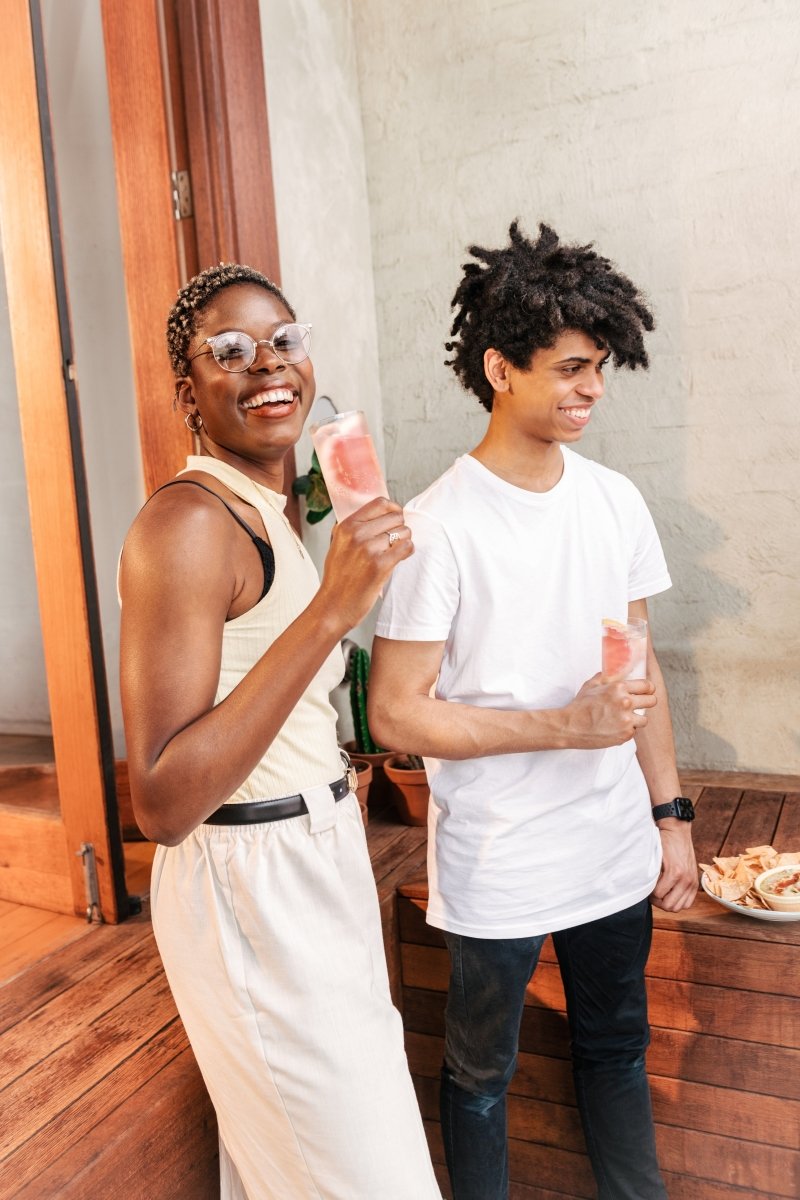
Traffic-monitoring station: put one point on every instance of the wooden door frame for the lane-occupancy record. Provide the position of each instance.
(42, 863)
(152, 254)
(187, 93)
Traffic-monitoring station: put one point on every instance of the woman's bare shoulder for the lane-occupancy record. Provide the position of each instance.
(182, 534)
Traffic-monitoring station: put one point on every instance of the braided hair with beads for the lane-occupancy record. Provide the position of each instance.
(522, 297)
(197, 294)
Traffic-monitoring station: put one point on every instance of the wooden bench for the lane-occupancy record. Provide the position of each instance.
(724, 1063)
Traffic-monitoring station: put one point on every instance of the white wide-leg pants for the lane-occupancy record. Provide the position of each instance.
(270, 937)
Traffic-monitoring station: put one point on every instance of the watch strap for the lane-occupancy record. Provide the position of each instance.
(681, 807)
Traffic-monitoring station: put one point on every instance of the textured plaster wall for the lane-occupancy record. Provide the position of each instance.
(321, 198)
(323, 219)
(670, 135)
(401, 132)
(323, 224)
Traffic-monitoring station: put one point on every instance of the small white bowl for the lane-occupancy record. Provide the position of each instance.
(773, 901)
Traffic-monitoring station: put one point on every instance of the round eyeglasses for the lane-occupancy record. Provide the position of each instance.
(236, 351)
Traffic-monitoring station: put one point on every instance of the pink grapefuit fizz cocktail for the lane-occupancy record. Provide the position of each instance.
(349, 463)
(625, 650)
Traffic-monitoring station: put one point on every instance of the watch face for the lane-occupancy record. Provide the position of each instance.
(684, 809)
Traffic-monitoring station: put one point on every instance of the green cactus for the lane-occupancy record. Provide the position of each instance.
(359, 678)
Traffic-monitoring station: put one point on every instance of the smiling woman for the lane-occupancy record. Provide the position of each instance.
(264, 906)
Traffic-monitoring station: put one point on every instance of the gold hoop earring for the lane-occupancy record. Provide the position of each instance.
(194, 422)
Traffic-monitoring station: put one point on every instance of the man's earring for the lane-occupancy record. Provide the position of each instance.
(194, 422)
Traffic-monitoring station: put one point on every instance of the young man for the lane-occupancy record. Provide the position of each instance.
(553, 789)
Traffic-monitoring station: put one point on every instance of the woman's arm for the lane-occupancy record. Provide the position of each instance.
(177, 581)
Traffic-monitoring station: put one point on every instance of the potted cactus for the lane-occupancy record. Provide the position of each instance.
(359, 687)
(363, 746)
(364, 775)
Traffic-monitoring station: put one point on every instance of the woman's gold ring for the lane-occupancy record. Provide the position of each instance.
(394, 534)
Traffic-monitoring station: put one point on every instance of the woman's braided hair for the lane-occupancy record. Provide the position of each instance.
(521, 298)
(195, 295)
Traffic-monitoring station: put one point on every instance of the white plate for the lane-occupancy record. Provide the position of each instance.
(761, 914)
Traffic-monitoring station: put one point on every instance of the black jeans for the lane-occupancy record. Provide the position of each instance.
(602, 967)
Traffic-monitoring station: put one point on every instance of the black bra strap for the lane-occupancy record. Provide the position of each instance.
(211, 492)
(264, 549)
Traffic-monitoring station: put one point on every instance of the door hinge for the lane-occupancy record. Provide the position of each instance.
(93, 912)
(181, 195)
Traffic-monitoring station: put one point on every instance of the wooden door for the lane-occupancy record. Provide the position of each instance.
(45, 854)
(187, 94)
(194, 177)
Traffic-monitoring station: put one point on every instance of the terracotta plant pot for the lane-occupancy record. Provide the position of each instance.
(410, 790)
(380, 791)
(364, 772)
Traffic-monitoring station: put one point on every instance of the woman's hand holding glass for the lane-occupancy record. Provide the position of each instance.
(365, 548)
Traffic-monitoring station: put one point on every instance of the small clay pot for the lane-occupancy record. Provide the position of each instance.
(410, 790)
(364, 772)
(380, 791)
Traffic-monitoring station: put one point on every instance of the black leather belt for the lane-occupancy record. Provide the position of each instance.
(256, 812)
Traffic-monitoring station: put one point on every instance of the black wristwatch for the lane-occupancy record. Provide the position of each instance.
(681, 807)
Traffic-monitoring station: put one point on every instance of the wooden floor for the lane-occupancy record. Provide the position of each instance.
(100, 1097)
(16, 748)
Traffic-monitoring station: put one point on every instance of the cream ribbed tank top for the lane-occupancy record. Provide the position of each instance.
(305, 751)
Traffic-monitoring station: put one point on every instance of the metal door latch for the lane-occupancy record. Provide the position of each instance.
(93, 912)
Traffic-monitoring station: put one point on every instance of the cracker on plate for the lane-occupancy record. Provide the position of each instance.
(731, 878)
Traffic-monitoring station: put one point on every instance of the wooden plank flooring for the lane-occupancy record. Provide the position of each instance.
(30, 934)
(23, 748)
(100, 1096)
(91, 1040)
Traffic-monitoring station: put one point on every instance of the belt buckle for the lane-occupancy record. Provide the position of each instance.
(350, 773)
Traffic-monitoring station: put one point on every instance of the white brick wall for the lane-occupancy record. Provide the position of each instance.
(323, 220)
(669, 135)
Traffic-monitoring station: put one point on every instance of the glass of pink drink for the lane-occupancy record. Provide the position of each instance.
(625, 650)
(348, 460)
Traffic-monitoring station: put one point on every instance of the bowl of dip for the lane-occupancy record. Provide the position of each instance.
(779, 887)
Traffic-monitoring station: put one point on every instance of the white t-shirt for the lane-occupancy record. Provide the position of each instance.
(517, 583)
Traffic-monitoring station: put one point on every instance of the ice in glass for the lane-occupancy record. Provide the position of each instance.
(625, 650)
(348, 460)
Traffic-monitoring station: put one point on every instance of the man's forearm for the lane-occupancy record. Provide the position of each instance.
(655, 744)
(677, 884)
(441, 729)
(600, 715)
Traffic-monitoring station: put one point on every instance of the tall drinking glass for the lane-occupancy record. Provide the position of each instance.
(625, 650)
(348, 460)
